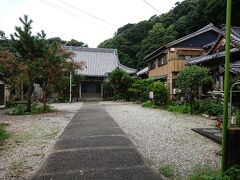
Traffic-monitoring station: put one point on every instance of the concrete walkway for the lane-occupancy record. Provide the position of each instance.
(94, 147)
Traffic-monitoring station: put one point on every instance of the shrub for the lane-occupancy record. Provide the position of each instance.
(19, 109)
(36, 108)
(211, 107)
(180, 108)
(3, 133)
(139, 90)
(120, 82)
(166, 170)
(161, 95)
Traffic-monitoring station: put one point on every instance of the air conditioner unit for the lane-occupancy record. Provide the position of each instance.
(175, 91)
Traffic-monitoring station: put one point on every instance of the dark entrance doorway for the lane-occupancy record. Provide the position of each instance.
(2, 95)
(91, 89)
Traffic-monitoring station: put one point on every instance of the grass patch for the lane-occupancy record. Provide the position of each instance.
(166, 170)
(180, 108)
(3, 133)
(36, 108)
(205, 173)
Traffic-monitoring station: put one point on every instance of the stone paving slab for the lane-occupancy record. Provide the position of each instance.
(94, 147)
(96, 124)
(90, 142)
(92, 158)
(76, 129)
(137, 173)
(214, 134)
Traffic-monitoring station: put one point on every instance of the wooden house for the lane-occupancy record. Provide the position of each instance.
(165, 63)
(214, 59)
(98, 62)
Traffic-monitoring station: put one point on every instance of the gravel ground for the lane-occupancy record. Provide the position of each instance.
(166, 138)
(31, 139)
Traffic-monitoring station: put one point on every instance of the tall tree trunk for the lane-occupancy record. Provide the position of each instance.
(30, 91)
(45, 94)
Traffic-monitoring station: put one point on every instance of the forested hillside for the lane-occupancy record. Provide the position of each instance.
(135, 41)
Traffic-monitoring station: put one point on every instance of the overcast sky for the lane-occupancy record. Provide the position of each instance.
(89, 21)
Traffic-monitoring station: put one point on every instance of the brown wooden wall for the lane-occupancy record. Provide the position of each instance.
(174, 63)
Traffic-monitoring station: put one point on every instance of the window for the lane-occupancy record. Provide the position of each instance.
(151, 65)
(180, 57)
(162, 60)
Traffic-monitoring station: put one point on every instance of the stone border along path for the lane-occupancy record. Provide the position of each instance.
(94, 147)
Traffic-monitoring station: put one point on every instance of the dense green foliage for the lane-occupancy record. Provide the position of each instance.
(180, 108)
(211, 107)
(161, 95)
(207, 106)
(120, 82)
(190, 78)
(36, 108)
(135, 41)
(140, 90)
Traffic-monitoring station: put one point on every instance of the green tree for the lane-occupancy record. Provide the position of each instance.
(120, 82)
(27, 52)
(140, 89)
(55, 61)
(190, 78)
(160, 91)
(74, 42)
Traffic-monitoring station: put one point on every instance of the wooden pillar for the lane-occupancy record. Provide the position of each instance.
(80, 91)
(101, 91)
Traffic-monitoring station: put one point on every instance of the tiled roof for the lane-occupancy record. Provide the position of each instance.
(98, 61)
(127, 69)
(204, 58)
(200, 31)
(235, 39)
(234, 68)
(143, 71)
(235, 34)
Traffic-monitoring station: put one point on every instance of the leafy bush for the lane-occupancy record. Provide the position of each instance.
(120, 82)
(36, 108)
(19, 109)
(161, 95)
(232, 173)
(3, 133)
(211, 107)
(166, 170)
(180, 108)
(190, 78)
(139, 90)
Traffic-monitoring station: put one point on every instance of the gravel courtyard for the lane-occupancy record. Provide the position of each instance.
(31, 139)
(166, 138)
